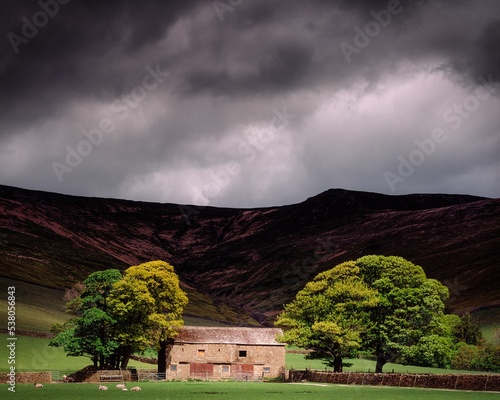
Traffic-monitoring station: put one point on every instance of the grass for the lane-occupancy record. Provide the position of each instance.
(39, 307)
(34, 354)
(298, 361)
(490, 322)
(241, 390)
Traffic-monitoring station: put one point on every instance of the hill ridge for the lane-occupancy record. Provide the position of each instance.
(254, 258)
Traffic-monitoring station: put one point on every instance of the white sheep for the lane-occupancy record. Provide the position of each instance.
(136, 389)
(121, 386)
(101, 387)
(38, 385)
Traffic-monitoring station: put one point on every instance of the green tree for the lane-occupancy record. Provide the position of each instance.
(92, 332)
(409, 315)
(329, 315)
(148, 304)
(383, 305)
(468, 330)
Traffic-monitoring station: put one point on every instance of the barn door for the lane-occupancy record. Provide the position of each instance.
(198, 370)
(242, 371)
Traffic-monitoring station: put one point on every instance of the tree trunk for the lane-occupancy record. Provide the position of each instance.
(381, 361)
(162, 357)
(126, 358)
(337, 364)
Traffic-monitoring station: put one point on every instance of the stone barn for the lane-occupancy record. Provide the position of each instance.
(226, 353)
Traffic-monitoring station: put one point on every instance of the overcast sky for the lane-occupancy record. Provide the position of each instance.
(248, 103)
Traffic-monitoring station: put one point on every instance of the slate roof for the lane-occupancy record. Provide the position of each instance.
(223, 335)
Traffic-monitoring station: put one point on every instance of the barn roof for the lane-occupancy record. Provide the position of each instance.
(223, 335)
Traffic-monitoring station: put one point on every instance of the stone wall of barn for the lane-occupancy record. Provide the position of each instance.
(221, 361)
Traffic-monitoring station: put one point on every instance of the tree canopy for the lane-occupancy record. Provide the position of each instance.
(329, 314)
(92, 332)
(382, 305)
(148, 303)
(117, 315)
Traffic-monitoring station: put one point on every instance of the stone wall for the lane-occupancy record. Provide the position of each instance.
(28, 377)
(267, 360)
(490, 382)
(92, 374)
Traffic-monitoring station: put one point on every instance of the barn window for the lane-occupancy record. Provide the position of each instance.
(225, 368)
(242, 353)
(266, 370)
(173, 367)
(201, 353)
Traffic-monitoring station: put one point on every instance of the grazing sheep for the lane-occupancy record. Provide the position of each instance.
(38, 385)
(136, 389)
(67, 379)
(121, 386)
(101, 387)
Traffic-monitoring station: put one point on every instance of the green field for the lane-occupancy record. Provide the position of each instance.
(298, 361)
(238, 390)
(39, 307)
(34, 354)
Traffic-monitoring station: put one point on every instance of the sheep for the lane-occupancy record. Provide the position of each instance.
(121, 386)
(38, 385)
(101, 387)
(67, 379)
(136, 389)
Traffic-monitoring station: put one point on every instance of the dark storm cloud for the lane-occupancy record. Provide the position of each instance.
(86, 50)
(228, 76)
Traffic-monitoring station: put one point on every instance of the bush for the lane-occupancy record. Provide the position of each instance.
(477, 358)
(431, 351)
(465, 356)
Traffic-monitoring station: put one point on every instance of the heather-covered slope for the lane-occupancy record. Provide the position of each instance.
(255, 259)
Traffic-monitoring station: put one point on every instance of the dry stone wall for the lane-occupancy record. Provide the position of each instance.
(490, 382)
(28, 377)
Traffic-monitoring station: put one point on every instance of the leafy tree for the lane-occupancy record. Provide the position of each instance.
(329, 314)
(468, 330)
(409, 315)
(148, 305)
(92, 332)
(384, 305)
(432, 350)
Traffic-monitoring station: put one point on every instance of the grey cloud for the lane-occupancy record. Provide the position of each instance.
(227, 77)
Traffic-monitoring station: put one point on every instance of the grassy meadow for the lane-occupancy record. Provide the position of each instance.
(240, 390)
(34, 354)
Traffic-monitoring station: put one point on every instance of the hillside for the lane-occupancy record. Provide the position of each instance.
(253, 259)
